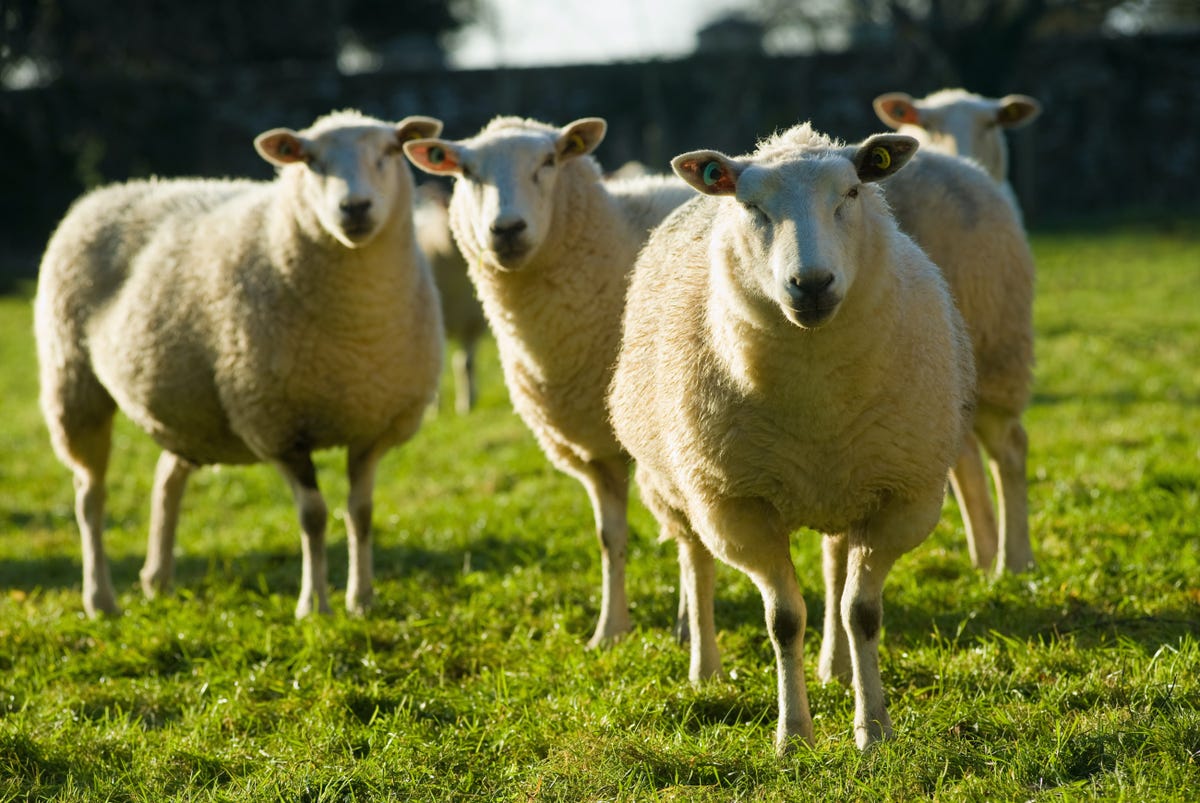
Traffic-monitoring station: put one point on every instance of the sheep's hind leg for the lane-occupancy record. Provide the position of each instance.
(833, 663)
(88, 456)
(1008, 446)
(170, 480)
(697, 573)
(465, 391)
(607, 484)
(314, 578)
(969, 479)
(360, 466)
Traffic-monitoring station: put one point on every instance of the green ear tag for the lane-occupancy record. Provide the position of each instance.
(881, 158)
(711, 174)
(436, 154)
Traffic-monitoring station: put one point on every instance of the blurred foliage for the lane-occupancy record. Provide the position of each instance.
(972, 43)
(156, 38)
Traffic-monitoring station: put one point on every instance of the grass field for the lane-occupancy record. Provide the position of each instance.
(469, 680)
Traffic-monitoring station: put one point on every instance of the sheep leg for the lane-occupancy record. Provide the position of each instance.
(87, 451)
(607, 484)
(360, 591)
(969, 479)
(833, 662)
(697, 578)
(465, 392)
(170, 479)
(748, 535)
(1008, 446)
(301, 475)
(873, 548)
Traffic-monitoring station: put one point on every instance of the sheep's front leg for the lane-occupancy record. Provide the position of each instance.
(697, 578)
(1007, 445)
(607, 483)
(360, 466)
(170, 480)
(748, 535)
(969, 479)
(872, 550)
(314, 577)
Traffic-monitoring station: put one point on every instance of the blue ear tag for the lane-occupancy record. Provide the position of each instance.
(711, 174)
(436, 154)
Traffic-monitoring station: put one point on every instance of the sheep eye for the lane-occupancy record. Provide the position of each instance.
(549, 161)
(853, 193)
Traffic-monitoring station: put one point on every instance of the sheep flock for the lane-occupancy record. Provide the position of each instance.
(814, 334)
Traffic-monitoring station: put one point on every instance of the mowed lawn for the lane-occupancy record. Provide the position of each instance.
(469, 680)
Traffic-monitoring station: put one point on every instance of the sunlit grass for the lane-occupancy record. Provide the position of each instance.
(469, 680)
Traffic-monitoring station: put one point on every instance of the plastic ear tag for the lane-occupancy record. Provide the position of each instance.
(576, 143)
(881, 158)
(436, 154)
(711, 174)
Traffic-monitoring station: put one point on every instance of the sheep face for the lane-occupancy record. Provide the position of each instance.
(790, 233)
(349, 171)
(506, 182)
(961, 123)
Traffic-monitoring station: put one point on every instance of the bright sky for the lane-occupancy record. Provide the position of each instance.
(529, 32)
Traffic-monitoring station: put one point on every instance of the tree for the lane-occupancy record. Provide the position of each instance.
(971, 43)
(148, 38)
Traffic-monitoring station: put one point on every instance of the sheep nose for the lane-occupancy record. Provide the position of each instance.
(355, 209)
(507, 228)
(811, 285)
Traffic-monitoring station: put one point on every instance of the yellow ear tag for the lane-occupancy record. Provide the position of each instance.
(575, 144)
(881, 158)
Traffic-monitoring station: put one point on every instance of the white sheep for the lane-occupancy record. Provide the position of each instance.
(962, 123)
(462, 314)
(791, 358)
(549, 245)
(244, 322)
(959, 216)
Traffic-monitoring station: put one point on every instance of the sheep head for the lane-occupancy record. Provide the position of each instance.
(348, 169)
(962, 123)
(789, 233)
(506, 179)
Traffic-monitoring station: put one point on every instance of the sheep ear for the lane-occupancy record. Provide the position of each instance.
(709, 172)
(882, 155)
(896, 109)
(281, 146)
(1017, 110)
(437, 156)
(580, 137)
(417, 127)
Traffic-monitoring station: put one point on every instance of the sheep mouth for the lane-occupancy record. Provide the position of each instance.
(356, 229)
(510, 257)
(809, 314)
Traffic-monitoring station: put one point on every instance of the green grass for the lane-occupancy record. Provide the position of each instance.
(469, 680)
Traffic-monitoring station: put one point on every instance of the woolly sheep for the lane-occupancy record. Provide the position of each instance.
(957, 214)
(549, 246)
(242, 322)
(790, 359)
(462, 314)
(962, 123)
